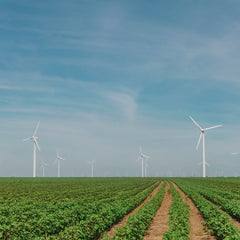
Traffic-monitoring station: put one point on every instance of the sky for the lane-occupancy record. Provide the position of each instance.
(106, 77)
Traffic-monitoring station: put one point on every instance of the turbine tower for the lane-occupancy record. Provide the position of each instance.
(146, 166)
(58, 159)
(202, 136)
(92, 167)
(141, 157)
(43, 165)
(35, 147)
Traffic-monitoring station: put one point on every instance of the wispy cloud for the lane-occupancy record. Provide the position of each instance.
(125, 103)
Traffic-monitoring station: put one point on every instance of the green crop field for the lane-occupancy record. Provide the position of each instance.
(86, 208)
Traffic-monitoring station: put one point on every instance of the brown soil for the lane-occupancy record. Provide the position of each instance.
(196, 220)
(235, 222)
(159, 223)
(124, 220)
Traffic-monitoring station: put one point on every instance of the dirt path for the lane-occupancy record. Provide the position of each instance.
(124, 220)
(159, 223)
(196, 220)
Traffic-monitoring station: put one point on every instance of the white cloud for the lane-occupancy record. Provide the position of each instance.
(125, 102)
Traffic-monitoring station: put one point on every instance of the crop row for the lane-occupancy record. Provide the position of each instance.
(225, 199)
(50, 219)
(220, 188)
(231, 206)
(107, 214)
(138, 223)
(215, 219)
(30, 191)
(179, 218)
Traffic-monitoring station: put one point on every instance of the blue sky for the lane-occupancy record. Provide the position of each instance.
(104, 77)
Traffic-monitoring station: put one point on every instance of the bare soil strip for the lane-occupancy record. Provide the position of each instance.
(196, 220)
(159, 223)
(235, 222)
(124, 220)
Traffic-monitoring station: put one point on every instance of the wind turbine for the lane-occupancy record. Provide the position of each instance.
(43, 165)
(202, 136)
(141, 157)
(35, 147)
(58, 159)
(92, 167)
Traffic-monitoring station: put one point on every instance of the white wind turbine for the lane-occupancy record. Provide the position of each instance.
(35, 147)
(92, 167)
(202, 136)
(58, 159)
(43, 165)
(141, 157)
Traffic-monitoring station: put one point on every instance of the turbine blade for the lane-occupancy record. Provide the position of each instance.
(140, 148)
(146, 156)
(35, 132)
(196, 123)
(235, 153)
(38, 146)
(212, 127)
(200, 163)
(44, 163)
(26, 139)
(139, 158)
(35, 141)
(199, 140)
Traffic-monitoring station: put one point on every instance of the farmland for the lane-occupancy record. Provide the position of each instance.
(120, 208)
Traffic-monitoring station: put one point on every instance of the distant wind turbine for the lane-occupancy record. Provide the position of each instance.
(58, 159)
(43, 165)
(35, 147)
(202, 136)
(141, 157)
(92, 167)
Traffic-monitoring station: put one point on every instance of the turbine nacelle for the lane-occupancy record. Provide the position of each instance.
(43, 164)
(203, 130)
(59, 157)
